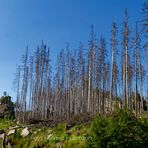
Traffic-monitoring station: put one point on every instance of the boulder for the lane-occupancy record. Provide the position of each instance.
(25, 132)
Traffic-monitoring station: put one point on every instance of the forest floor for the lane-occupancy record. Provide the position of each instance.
(58, 136)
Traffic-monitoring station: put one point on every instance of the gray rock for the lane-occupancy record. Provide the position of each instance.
(11, 132)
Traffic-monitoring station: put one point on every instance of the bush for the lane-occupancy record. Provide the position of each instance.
(122, 129)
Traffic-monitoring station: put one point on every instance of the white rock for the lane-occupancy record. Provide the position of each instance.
(49, 136)
(25, 132)
(11, 132)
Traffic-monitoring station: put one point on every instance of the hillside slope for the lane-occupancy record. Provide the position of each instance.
(122, 129)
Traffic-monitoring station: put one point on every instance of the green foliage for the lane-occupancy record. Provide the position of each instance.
(6, 107)
(59, 134)
(122, 129)
(5, 100)
(6, 123)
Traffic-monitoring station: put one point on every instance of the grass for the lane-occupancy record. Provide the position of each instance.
(47, 137)
(145, 114)
(6, 123)
(75, 137)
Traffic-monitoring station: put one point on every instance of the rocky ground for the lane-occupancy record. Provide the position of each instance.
(14, 135)
(68, 134)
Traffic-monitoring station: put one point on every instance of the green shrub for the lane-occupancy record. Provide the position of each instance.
(122, 129)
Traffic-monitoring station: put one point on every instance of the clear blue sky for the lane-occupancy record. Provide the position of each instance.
(27, 22)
